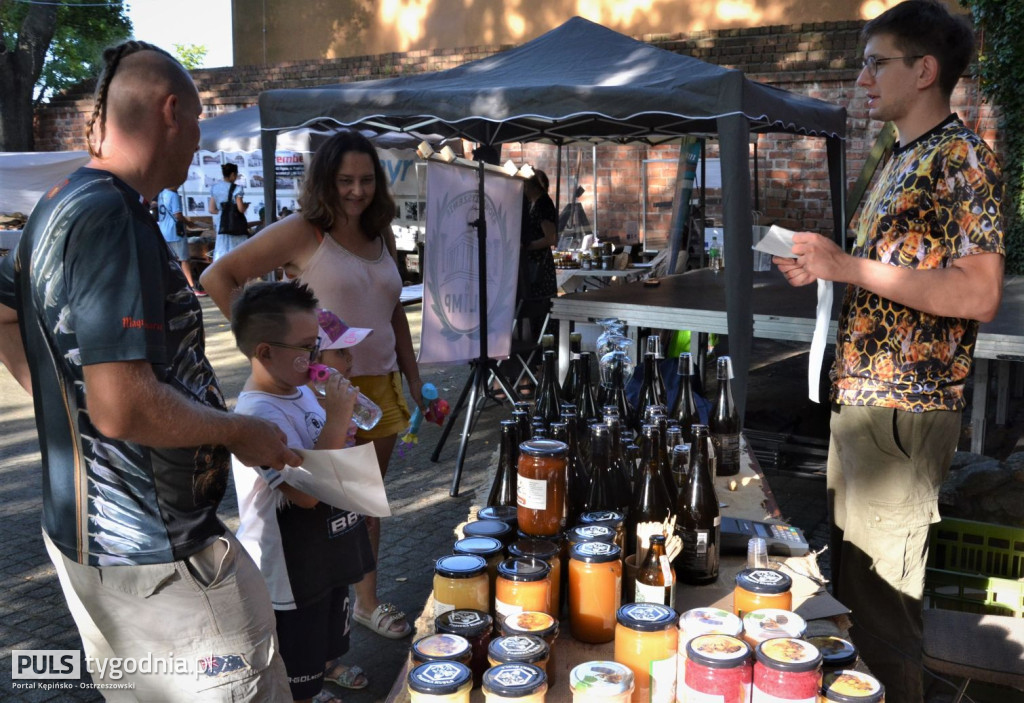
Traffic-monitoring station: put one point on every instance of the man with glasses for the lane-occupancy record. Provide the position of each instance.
(134, 433)
(926, 267)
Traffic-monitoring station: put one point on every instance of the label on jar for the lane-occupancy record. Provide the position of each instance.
(690, 696)
(762, 697)
(663, 680)
(504, 609)
(531, 493)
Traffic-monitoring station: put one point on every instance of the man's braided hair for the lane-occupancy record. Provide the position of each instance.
(111, 60)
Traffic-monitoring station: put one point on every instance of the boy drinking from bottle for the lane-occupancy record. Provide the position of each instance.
(309, 552)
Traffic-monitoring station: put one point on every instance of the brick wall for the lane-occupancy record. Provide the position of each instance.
(821, 60)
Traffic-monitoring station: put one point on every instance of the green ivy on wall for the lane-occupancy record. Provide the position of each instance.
(1001, 66)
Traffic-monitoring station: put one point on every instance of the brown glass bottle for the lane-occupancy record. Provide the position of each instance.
(698, 518)
(651, 502)
(724, 424)
(549, 394)
(572, 376)
(684, 410)
(655, 579)
(503, 489)
(600, 490)
(622, 495)
(652, 391)
(576, 481)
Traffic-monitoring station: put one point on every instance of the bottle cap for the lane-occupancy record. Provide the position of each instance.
(524, 569)
(514, 680)
(439, 678)
(460, 566)
(465, 622)
(646, 617)
(766, 581)
(612, 518)
(601, 679)
(590, 533)
(718, 651)
(544, 448)
(595, 552)
(788, 654)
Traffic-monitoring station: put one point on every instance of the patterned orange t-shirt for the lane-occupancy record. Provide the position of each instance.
(937, 199)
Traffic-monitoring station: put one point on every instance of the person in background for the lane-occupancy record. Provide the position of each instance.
(136, 439)
(537, 278)
(172, 226)
(927, 266)
(309, 552)
(219, 194)
(341, 245)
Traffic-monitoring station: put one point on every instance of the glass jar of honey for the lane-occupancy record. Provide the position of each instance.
(769, 623)
(719, 668)
(590, 533)
(490, 548)
(440, 682)
(476, 626)
(612, 519)
(540, 486)
(539, 624)
(503, 513)
(697, 622)
(524, 583)
(515, 683)
(761, 588)
(501, 531)
(601, 682)
(545, 550)
(646, 640)
(786, 669)
(441, 647)
(460, 581)
(519, 649)
(595, 590)
(850, 686)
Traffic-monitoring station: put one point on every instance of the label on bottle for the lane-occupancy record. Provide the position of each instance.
(646, 593)
(694, 557)
(663, 680)
(531, 493)
(727, 451)
(504, 609)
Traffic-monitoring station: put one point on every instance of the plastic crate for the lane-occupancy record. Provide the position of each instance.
(976, 567)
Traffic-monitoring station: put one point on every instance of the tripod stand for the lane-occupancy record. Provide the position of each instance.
(483, 366)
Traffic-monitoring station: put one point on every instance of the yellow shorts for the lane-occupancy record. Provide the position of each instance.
(385, 391)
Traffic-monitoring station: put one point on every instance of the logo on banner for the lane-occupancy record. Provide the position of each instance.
(454, 285)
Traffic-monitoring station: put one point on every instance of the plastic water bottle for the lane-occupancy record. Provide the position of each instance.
(366, 414)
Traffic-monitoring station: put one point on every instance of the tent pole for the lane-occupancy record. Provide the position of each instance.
(593, 156)
(268, 145)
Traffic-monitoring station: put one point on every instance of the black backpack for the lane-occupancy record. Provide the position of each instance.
(232, 220)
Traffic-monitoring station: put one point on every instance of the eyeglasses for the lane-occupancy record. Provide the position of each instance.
(873, 62)
(313, 350)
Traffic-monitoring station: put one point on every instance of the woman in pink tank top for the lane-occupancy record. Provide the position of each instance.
(341, 245)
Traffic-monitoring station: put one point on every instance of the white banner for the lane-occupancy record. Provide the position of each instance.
(451, 294)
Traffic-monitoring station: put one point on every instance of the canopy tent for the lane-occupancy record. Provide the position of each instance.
(585, 82)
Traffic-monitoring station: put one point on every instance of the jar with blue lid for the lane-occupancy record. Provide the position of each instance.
(440, 682)
(523, 683)
(490, 548)
(595, 590)
(461, 581)
(646, 640)
(490, 528)
(504, 513)
(519, 649)
(589, 533)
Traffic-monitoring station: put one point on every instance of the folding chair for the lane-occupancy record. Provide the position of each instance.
(525, 349)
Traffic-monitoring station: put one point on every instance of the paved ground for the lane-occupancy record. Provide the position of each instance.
(32, 610)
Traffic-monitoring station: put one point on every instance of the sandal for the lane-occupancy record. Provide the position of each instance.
(350, 677)
(326, 696)
(382, 618)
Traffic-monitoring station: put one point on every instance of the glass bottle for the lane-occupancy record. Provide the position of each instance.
(503, 489)
(655, 579)
(698, 518)
(572, 376)
(680, 464)
(522, 419)
(651, 503)
(600, 490)
(652, 389)
(685, 408)
(549, 395)
(576, 480)
(586, 405)
(724, 423)
(622, 496)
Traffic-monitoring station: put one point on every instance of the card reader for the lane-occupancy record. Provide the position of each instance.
(783, 540)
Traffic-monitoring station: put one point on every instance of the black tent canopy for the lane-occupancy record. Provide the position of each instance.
(582, 82)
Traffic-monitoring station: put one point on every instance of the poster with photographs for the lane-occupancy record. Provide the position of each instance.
(205, 171)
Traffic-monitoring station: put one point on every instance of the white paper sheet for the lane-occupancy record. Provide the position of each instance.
(345, 478)
(777, 242)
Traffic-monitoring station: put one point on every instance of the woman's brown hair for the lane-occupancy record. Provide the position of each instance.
(320, 201)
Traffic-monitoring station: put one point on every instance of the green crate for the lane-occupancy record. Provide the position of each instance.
(976, 567)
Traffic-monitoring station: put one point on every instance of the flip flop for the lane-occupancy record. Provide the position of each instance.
(382, 618)
(350, 677)
(326, 696)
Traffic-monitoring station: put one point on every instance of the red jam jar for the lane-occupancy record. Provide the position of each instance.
(718, 668)
(786, 669)
(474, 625)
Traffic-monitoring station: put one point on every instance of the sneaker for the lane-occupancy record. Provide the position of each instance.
(199, 293)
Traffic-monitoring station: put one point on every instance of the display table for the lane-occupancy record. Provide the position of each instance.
(571, 280)
(752, 499)
(696, 301)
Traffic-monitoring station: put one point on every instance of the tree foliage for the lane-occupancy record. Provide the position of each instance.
(191, 55)
(46, 48)
(1000, 67)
